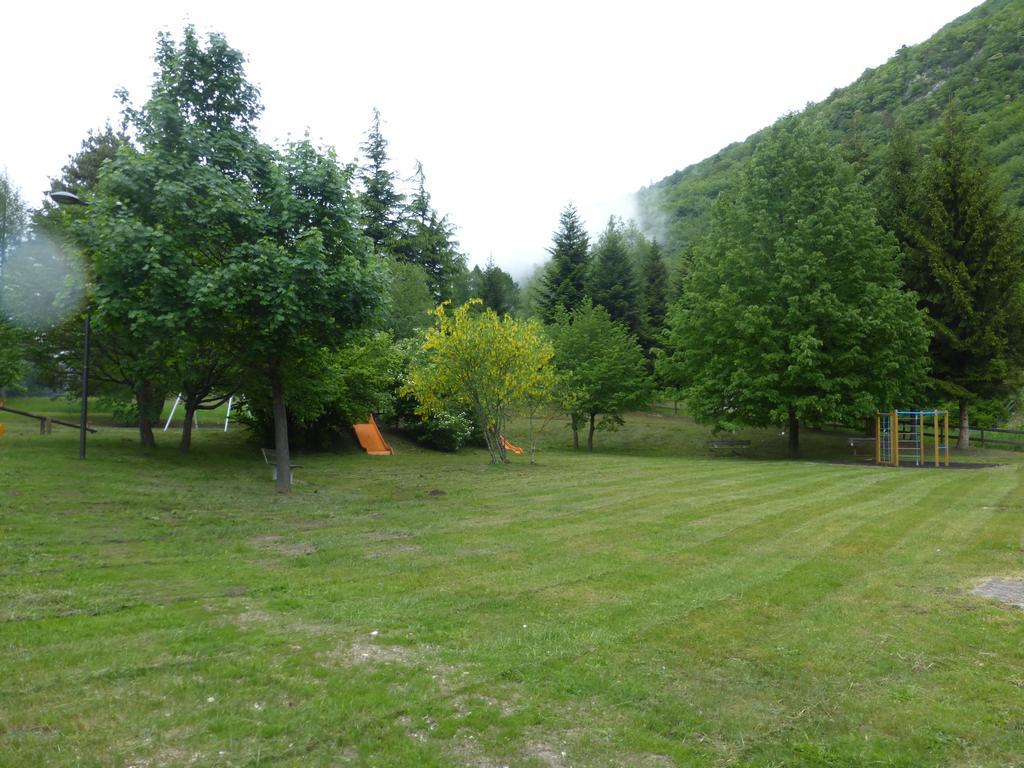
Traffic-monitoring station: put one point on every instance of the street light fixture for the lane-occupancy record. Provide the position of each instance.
(70, 198)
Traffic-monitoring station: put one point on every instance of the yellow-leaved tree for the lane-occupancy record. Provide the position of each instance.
(488, 365)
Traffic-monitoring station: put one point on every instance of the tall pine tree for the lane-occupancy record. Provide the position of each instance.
(967, 265)
(896, 184)
(428, 240)
(495, 288)
(564, 283)
(380, 203)
(654, 285)
(613, 283)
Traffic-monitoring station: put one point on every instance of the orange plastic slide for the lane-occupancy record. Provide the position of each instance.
(509, 447)
(371, 439)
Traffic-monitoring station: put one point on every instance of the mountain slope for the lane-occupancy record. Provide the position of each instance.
(978, 59)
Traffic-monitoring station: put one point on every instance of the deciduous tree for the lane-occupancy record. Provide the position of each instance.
(13, 219)
(794, 309)
(303, 286)
(13, 227)
(488, 365)
(602, 371)
(165, 214)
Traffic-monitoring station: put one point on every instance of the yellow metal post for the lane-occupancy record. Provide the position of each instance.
(920, 439)
(894, 428)
(945, 435)
(878, 438)
(936, 436)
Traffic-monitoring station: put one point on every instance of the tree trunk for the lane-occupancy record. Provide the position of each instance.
(284, 459)
(186, 430)
(574, 419)
(794, 434)
(964, 440)
(499, 445)
(590, 434)
(492, 444)
(144, 400)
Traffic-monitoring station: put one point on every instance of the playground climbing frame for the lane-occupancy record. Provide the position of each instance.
(903, 436)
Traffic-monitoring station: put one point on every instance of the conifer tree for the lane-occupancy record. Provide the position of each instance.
(564, 282)
(654, 281)
(428, 240)
(380, 202)
(967, 265)
(495, 288)
(896, 184)
(613, 284)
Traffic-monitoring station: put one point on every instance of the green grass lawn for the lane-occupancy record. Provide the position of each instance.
(647, 605)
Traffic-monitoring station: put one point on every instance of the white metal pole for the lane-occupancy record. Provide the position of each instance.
(228, 417)
(173, 409)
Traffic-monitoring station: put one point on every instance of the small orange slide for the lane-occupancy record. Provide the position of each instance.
(509, 447)
(371, 439)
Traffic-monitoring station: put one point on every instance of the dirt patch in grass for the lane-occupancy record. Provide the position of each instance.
(399, 549)
(464, 705)
(253, 618)
(361, 652)
(289, 548)
(1007, 591)
(546, 754)
(375, 536)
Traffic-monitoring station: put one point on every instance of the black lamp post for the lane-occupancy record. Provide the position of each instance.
(70, 198)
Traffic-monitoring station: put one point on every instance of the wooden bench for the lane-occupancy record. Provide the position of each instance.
(856, 442)
(270, 456)
(714, 445)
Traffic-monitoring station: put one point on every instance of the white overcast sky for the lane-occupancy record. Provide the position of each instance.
(514, 108)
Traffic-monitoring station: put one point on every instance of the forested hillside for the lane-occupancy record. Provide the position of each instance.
(977, 59)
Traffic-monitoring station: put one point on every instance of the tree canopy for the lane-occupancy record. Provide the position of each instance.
(602, 370)
(564, 280)
(613, 284)
(975, 58)
(488, 365)
(426, 239)
(13, 225)
(494, 287)
(794, 309)
(965, 259)
(380, 202)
